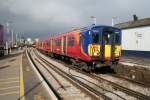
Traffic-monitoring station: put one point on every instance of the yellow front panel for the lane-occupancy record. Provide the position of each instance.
(107, 51)
(94, 50)
(117, 50)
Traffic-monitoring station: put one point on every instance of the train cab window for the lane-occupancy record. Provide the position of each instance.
(95, 38)
(106, 38)
(117, 39)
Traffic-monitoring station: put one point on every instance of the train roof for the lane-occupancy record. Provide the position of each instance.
(83, 29)
(97, 26)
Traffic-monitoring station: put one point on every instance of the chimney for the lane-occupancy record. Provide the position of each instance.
(135, 18)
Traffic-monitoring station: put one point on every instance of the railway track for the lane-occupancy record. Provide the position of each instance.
(128, 91)
(96, 95)
(119, 87)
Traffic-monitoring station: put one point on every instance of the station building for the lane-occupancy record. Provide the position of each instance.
(136, 37)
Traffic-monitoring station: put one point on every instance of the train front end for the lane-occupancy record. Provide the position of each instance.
(104, 47)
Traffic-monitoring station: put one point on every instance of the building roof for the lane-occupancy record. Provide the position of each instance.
(134, 24)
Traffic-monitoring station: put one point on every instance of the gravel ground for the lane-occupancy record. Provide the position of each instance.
(98, 83)
(143, 90)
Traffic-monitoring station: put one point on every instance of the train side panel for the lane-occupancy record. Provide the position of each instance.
(71, 46)
(57, 45)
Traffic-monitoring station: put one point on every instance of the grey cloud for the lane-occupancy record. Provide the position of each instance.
(43, 17)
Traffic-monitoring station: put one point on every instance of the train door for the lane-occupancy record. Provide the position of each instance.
(113, 39)
(64, 45)
(51, 45)
(108, 45)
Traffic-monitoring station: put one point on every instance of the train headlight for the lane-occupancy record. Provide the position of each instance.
(95, 54)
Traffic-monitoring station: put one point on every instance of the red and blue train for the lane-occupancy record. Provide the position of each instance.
(87, 48)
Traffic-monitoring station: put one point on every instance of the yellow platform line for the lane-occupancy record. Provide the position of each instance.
(1, 83)
(12, 87)
(13, 78)
(21, 81)
(8, 93)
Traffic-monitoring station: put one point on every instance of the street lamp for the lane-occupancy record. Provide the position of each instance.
(10, 31)
(94, 20)
(112, 21)
(12, 37)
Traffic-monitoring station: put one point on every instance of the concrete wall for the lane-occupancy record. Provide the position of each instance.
(136, 39)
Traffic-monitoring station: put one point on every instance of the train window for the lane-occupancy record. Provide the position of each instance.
(59, 42)
(95, 38)
(71, 41)
(49, 43)
(54, 43)
(117, 39)
(106, 38)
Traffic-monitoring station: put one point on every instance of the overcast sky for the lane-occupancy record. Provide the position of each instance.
(42, 17)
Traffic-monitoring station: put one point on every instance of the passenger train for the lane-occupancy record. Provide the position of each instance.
(87, 48)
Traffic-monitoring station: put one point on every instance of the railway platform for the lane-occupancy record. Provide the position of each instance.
(11, 83)
(18, 81)
(136, 61)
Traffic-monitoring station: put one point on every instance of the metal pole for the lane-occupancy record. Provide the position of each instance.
(12, 33)
(112, 21)
(16, 39)
(7, 26)
(8, 47)
(94, 19)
